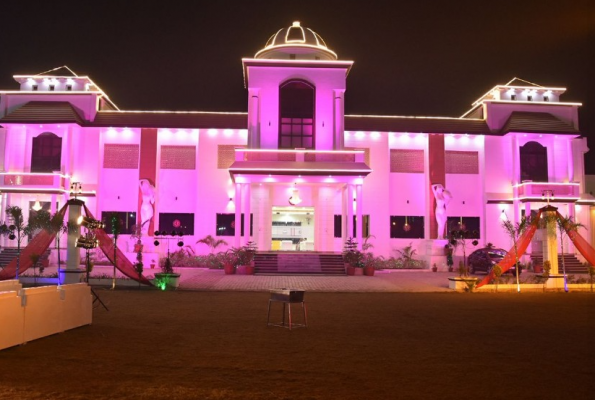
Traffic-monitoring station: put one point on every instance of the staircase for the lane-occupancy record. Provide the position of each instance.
(299, 263)
(7, 254)
(572, 264)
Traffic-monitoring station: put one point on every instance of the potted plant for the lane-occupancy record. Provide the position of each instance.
(229, 261)
(168, 279)
(448, 250)
(245, 258)
(353, 258)
(371, 264)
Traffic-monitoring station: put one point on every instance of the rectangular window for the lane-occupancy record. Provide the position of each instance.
(529, 98)
(338, 226)
(34, 87)
(52, 87)
(513, 97)
(546, 98)
(470, 225)
(177, 222)
(69, 88)
(127, 221)
(406, 227)
(226, 225)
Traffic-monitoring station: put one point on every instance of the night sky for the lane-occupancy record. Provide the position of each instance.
(411, 58)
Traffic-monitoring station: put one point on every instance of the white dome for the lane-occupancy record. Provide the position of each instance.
(296, 42)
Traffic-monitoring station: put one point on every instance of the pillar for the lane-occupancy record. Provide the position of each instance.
(338, 134)
(73, 255)
(349, 206)
(253, 124)
(238, 215)
(247, 211)
(550, 242)
(359, 228)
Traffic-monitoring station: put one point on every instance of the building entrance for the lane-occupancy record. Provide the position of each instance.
(293, 229)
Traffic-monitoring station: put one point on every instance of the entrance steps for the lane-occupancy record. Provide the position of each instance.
(7, 254)
(572, 264)
(298, 263)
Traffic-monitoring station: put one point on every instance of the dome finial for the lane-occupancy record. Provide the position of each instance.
(296, 42)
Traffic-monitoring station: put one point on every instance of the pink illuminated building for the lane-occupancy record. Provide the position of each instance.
(294, 172)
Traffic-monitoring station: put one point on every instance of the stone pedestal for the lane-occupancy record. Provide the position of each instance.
(435, 253)
(555, 282)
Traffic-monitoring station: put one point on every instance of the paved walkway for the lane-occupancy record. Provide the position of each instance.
(389, 281)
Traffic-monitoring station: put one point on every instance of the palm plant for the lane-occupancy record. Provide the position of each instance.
(407, 255)
(565, 225)
(19, 230)
(515, 231)
(212, 242)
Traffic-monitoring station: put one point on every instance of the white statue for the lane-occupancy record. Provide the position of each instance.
(442, 197)
(146, 209)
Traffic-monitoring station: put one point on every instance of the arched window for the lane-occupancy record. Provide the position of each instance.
(46, 154)
(296, 115)
(534, 162)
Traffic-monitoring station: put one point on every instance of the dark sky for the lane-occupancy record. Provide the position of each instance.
(411, 58)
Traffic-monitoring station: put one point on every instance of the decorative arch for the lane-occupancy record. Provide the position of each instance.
(534, 162)
(46, 153)
(297, 104)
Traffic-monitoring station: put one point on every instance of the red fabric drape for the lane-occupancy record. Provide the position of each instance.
(580, 243)
(106, 244)
(43, 239)
(510, 259)
(38, 245)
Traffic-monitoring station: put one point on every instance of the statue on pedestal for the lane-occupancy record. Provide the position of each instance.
(146, 208)
(442, 197)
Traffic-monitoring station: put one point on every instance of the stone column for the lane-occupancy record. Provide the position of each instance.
(359, 228)
(73, 254)
(238, 216)
(349, 205)
(550, 242)
(247, 211)
(338, 122)
(253, 123)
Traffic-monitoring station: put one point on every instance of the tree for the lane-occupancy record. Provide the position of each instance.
(565, 225)
(19, 230)
(515, 231)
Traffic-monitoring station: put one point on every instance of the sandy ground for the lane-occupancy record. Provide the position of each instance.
(216, 345)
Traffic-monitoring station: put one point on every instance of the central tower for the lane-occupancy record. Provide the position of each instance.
(296, 87)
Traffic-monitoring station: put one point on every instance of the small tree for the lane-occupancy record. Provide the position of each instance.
(591, 270)
(497, 274)
(565, 225)
(34, 259)
(18, 230)
(515, 231)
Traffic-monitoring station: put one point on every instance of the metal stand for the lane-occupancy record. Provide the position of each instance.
(95, 295)
(288, 297)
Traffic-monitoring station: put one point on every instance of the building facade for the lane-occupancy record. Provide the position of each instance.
(294, 172)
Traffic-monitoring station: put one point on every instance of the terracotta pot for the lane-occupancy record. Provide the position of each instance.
(350, 270)
(369, 271)
(249, 270)
(538, 269)
(359, 271)
(229, 269)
